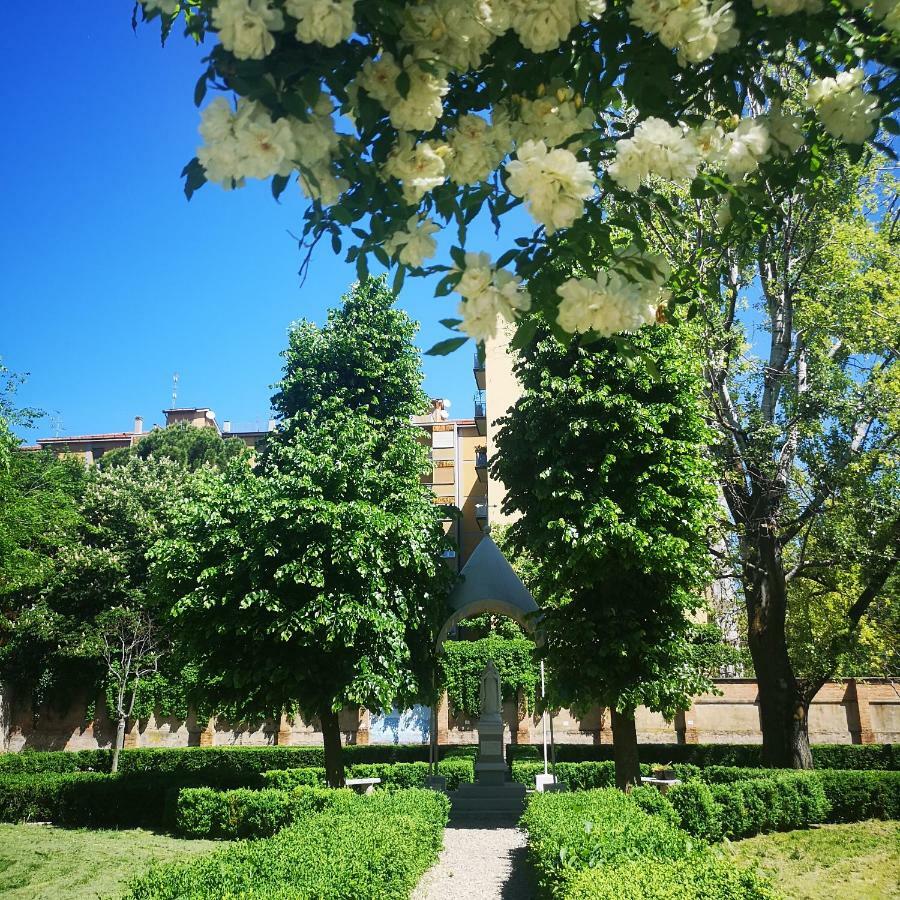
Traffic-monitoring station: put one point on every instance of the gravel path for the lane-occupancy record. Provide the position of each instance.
(480, 861)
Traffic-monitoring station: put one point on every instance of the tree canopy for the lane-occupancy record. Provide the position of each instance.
(321, 581)
(606, 465)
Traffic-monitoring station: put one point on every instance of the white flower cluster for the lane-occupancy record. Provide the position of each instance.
(420, 109)
(326, 22)
(695, 28)
(419, 168)
(656, 148)
(476, 148)
(553, 118)
(245, 26)
(846, 110)
(414, 243)
(675, 153)
(455, 32)
(553, 183)
(544, 24)
(488, 293)
(248, 143)
(619, 300)
(788, 7)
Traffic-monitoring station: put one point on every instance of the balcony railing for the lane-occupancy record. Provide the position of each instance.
(478, 362)
(480, 403)
(481, 458)
(481, 510)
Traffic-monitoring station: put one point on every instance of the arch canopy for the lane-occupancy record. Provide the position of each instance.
(489, 584)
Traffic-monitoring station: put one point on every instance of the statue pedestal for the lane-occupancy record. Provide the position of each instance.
(490, 767)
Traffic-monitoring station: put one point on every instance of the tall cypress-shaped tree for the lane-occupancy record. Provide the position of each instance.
(605, 463)
(320, 582)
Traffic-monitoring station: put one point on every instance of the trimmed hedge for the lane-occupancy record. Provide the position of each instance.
(600, 845)
(376, 846)
(700, 875)
(825, 756)
(579, 776)
(696, 810)
(400, 775)
(571, 832)
(89, 799)
(235, 766)
(242, 813)
(854, 796)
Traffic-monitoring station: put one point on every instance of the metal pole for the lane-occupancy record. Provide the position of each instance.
(544, 716)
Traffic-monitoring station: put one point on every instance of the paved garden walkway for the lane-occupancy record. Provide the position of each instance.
(480, 861)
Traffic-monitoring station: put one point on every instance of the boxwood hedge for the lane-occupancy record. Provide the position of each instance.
(601, 844)
(232, 766)
(372, 847)
(825, 756)
(401, 775)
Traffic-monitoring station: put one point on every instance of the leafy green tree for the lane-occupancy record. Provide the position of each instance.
(185, 444)
(605, 464)
(12, 415)
(798, 299)
(320, 582)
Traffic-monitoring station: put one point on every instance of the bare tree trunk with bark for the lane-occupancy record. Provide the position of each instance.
(625, 749)
(331, 736)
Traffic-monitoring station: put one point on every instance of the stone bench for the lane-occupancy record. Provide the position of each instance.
(362, 785)
(663, 785)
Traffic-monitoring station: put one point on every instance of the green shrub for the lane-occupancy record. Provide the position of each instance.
(779, 803)
(242, 813)
(700, 875)
(697, 811)
(581, 776)
(825, 756)
(571, 832)
(650, 800)
(854, 796)
(375, 846)
(397, 775)
(225, 766)
(89, 799)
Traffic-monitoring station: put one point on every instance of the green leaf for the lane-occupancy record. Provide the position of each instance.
(200, 89)
(279, 183)
(452, 324)
(442, 348)
(524, 334)
(403, 84)
(398, 280)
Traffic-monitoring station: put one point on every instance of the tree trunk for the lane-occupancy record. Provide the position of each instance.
(119, 744)
(783, 708)
(331, 735)
(625, 749)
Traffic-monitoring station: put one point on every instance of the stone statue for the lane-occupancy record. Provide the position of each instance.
(489, 692)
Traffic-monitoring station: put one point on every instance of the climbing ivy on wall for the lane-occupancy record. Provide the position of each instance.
(462, 663)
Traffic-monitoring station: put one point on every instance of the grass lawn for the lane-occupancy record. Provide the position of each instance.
(831, 862)
(38, 861)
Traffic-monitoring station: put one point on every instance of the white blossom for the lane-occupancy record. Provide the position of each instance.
(656, 148)
(243, 143)
(320, 183)
(544, 24)
(413, 244)
(477, 149)
(553, 118)
(327, 22)
(553, 183)
(487, 294)
(785, 130)
(418, 167)
(315, 139)
(623, 299)
(378, 78)
(420, 109)
(453, 32)
(695, 28)
(245, 26)
(846, 110)
(745, 148)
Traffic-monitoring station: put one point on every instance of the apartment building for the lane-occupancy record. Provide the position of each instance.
(459, 448)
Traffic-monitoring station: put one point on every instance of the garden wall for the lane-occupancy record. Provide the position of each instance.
(848, 711)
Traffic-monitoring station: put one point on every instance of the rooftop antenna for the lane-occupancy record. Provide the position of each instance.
(56, 421)
(174, 390)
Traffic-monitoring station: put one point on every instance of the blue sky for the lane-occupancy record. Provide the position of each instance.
(110, 280)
